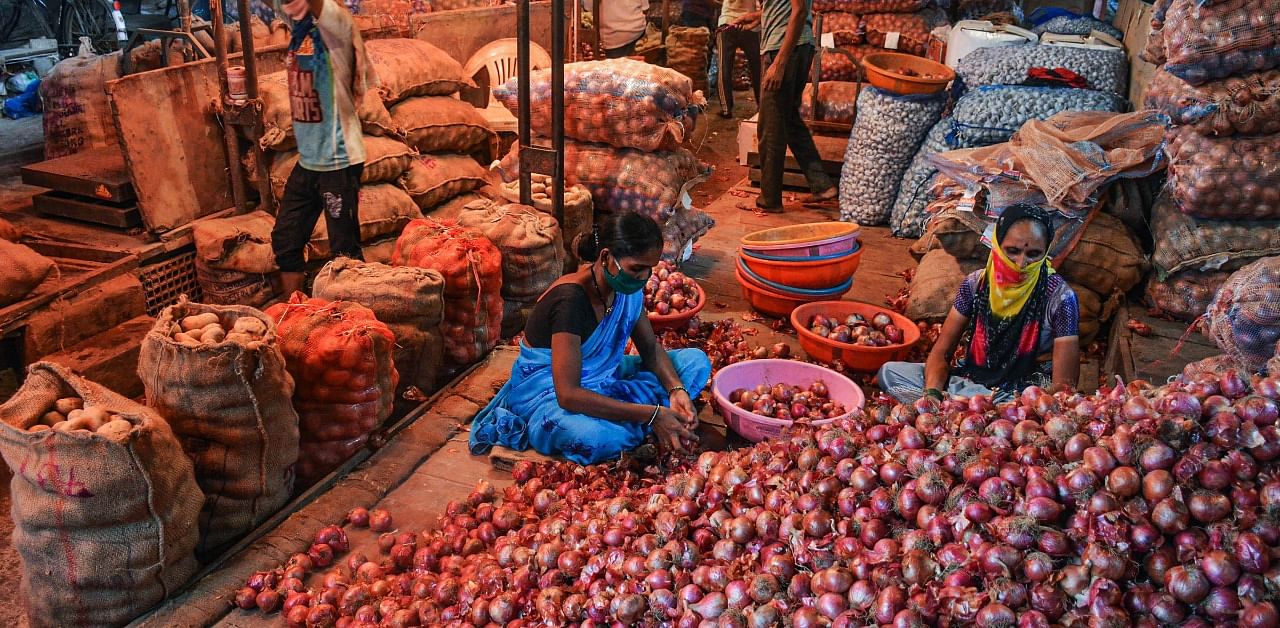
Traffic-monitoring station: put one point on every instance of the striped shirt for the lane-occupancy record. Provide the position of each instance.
(773, 24)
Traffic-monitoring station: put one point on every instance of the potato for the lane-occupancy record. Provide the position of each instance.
(115, 430)
(199, 320)
(538, 188)
(239, 338)
(38, 427)
(64, 426)
(213, 335)
(67, 404)
(53, 418)
(183, 339)
(98, 414)
(249, 325)
(196, 334)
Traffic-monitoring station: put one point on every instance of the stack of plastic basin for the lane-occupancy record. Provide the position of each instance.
(783, 268)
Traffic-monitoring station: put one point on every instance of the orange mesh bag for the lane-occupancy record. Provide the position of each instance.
(620, 102)
(841, 64)
(1202, 43)
(845, 28)
(1239, 105)
(340, 357)
(1228, 178)
(624, 179)
(837, 102)
(472, 270)
(869, 6)
(904, 32)
(1244, 318)
(1187, 295)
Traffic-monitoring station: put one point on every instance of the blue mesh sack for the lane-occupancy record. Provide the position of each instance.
(992, 114)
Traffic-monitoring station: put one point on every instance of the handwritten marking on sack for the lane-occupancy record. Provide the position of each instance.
(49, 478)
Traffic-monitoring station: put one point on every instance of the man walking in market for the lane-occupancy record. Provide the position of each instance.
(786, 39)
(328, 76)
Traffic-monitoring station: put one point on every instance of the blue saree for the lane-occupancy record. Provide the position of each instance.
(525, 413)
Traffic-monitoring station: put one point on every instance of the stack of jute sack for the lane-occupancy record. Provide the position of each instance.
(627, 122)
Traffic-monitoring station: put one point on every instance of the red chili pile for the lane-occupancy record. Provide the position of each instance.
(1136, 506)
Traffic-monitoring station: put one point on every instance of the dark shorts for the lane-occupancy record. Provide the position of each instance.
(307, 195)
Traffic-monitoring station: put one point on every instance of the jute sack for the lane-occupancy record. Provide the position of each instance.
(933, 290)
(450, 209)
(385, 160)
(278, 117)
(408, 300)
(228, 404)
(952, 235)
(239, 243)
(530, 241)
(1094, 311)
(9, 231)
(579, 213)
(384, 210)
(105, 526)
(433, 179)
(1106, 258)
(442, 124)
(687, 52)
(23, 271)
(77, 115)
(412, 67)
(232, 287)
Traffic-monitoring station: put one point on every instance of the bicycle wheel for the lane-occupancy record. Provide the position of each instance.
(86, 18)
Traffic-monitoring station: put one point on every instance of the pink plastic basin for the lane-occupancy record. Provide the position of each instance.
(751, 373)
(804, 240)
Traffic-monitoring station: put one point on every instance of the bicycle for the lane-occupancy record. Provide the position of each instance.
(65, 21)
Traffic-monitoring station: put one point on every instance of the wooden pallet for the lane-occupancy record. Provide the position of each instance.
(124, 215)
(831, 149)
(1152, 357)
(77, 268)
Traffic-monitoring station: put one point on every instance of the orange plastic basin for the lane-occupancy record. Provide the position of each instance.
(798, 235)
(856, 357)
(681, 320)
(806, 275)
(766, 301)
(884, 70)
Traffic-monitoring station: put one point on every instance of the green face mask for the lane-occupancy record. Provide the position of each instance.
(623, 283)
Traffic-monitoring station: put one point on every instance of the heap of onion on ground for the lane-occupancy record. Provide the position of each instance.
(1134, 506)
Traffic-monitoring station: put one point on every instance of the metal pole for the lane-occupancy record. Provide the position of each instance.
(250, 60)
(224, 92)
(557, 107)
(522, 110)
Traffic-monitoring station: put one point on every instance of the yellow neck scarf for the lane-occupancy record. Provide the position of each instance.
(1008, 286)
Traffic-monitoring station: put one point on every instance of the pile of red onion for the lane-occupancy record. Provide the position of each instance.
(724, 341)
(669, 291)
(1136, 506)
(789, 403)
(856, 329)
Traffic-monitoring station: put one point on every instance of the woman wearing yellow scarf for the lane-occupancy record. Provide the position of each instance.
(1013, 312)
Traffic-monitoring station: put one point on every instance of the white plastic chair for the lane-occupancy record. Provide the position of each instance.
(499, 59)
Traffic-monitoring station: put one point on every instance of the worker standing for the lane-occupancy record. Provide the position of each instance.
(787, 41)
(622, 24)
(328, 75)
(739, 29)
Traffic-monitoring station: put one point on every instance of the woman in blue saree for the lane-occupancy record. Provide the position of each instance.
(573, 390)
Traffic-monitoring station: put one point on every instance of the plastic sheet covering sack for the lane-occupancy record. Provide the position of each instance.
(1103, 70)
(1202, 43)
(1063, 162)
(1225, 178)
(1186, 243)
(990, 115)
(889, 129)
(625, 179)
(837, 102)
(910, 213)
(1244, 318)
(621, 102)
(1239, 105)
(1077, 25)
(869, 6)
(1187, 295)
